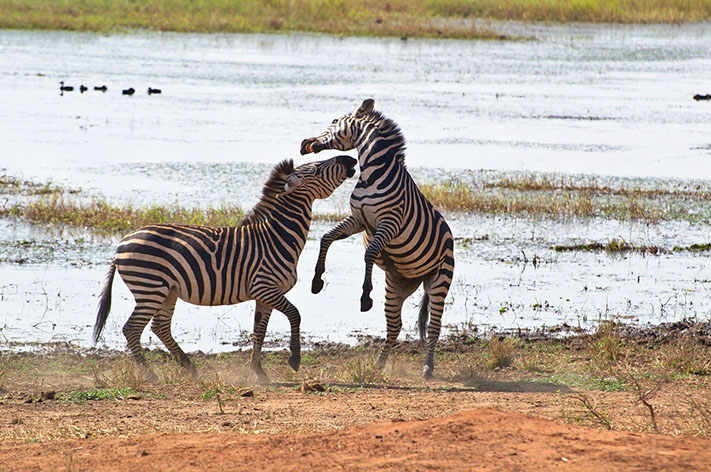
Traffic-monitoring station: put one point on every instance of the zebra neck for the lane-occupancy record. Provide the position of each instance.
(381, 145)
(291, 218)
(379, 153)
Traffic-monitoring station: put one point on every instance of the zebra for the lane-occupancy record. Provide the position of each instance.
(403, 234)
(209, 266)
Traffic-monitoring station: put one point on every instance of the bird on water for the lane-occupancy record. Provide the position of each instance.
(128, 91)
(65, 88)
(151, 90)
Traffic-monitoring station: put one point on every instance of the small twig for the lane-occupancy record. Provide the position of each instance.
(643, 396)
(591, 408)
(219, 403)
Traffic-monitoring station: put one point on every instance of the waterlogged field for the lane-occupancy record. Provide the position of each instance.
(573, 169)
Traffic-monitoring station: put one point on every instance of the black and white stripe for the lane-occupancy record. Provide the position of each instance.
(403, 234)
(223, 266)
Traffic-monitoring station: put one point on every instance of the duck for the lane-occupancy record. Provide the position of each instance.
(698, 97)
(83, 88)
(100, 89)
(128, 91)
(65, 88)
(151, 90)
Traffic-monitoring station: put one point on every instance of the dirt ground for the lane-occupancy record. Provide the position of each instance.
(501, 438)
(468, 418)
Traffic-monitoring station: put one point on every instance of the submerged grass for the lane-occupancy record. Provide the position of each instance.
(422, 18)
(613, 246)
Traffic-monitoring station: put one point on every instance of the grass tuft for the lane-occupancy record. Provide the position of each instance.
(83, 396)
(500, 352)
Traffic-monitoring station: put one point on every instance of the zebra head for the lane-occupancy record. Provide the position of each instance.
(342, 133)
(319, 179)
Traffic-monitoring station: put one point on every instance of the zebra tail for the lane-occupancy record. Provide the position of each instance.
(424, 316)
(104, 303)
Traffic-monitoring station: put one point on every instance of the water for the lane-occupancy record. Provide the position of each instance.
(604, 100)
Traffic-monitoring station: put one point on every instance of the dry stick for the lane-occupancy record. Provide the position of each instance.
(591, 408)
(643, 396)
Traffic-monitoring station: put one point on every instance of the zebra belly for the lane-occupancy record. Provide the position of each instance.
(151, 280)
(403, 263)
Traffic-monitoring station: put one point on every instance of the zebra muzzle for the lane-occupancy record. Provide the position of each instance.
(311, 145)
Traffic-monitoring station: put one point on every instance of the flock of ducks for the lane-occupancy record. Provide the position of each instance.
(103, 88)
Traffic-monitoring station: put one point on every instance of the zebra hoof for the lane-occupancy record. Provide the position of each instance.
(316, 285)
(191, 370)
(366, 303)
(263, 379)
(295, 362)
(427, 372)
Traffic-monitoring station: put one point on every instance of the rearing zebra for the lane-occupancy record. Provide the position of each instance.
(404, 235)
(255, 260)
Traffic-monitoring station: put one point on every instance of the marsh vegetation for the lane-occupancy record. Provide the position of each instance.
(422, 18)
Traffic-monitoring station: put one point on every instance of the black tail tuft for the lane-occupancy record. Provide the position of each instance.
(104, 303)
(424, 316)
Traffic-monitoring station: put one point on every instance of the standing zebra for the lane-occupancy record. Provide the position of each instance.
(255, 260)
(404, 235)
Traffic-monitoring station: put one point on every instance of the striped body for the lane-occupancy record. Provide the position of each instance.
(210, 266)
(222, 266)
(403, 234)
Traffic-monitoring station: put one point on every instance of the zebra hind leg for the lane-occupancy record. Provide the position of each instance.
(436, 289)
(132, 331)
(261, 320)
(161, 327)
(397, 289)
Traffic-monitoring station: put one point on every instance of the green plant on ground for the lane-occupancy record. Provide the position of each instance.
(500, 352)
(82, 396)
(363, 371)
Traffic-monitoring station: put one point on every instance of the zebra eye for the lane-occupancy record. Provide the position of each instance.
(334, 121)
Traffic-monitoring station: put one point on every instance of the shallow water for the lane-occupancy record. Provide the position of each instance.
(604, 100)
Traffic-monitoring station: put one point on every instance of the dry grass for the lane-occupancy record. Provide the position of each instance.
(547, 195)
(359, 17)
(100, 215)
(604, 375)
(421, 18)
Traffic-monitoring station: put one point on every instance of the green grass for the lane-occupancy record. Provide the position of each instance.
(612, 246)
(422, 18)
(82, 396)
(343, 17)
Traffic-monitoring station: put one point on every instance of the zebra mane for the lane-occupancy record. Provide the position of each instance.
(389, 128)
(272, 188)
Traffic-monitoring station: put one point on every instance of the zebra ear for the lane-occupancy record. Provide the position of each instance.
(292, 183)
(365, 108)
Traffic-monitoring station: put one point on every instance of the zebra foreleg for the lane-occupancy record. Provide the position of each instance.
(276, 300)
(348, 227)
(385, 232)
(161, 327)
(397, 289)
(261, 320)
